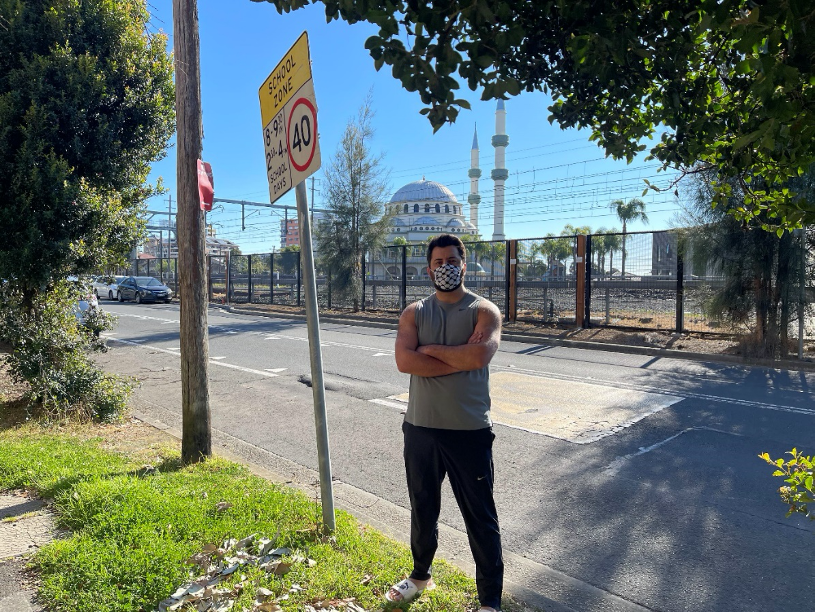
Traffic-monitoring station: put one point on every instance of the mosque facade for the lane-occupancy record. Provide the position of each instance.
(424, 208)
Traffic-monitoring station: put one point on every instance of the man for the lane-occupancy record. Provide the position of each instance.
(445, 342)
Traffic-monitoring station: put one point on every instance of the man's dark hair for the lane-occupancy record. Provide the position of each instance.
(446, 240)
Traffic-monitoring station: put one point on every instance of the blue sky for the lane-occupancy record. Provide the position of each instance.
(556, 176)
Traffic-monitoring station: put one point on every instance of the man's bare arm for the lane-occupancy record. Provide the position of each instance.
(409, 359)
(479, 349)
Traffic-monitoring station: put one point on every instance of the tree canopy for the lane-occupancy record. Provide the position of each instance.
(725, 84)
(86, 105)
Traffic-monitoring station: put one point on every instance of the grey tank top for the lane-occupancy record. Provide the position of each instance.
(456, 401)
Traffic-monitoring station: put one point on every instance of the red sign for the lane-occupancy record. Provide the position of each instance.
(205, 185)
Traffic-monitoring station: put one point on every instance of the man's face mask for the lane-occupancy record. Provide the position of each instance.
(447, 277)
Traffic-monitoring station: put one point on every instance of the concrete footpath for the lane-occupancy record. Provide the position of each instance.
(25, 525)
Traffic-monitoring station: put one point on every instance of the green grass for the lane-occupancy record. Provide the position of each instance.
(133, 529)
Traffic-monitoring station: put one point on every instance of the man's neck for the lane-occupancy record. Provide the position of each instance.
(451, 297)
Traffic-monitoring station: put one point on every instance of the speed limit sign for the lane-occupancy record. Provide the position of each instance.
(302, 132)
(289, 120)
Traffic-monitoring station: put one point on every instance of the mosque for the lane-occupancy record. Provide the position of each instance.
(426, 208)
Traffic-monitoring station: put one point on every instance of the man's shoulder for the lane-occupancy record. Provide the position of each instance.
(481, 302)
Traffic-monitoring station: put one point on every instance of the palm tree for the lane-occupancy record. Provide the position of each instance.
(606, 241)
(633, 210)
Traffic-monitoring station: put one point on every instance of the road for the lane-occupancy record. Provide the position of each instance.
(624, 482)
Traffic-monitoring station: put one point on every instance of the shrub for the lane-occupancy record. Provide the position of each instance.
(798, 473)
(50, 340)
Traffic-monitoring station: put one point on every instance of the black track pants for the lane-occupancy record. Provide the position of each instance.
(467, 459)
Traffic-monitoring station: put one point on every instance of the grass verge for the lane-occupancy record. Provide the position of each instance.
(133, 527)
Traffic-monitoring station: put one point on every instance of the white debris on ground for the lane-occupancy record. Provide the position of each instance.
(203, 593)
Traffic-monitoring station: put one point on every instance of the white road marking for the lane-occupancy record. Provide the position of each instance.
(618, 463)
(399, 405)
(276, 370)
(222, 357)
(218, 363)
(381, 354)
(662, 391)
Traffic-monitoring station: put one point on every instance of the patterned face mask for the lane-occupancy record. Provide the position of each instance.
(447, 277)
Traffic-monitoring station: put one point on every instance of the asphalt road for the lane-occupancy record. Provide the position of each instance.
(624, 482)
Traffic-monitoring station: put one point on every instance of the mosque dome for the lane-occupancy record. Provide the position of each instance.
(424, 191)
(456, 223)
(397, 221)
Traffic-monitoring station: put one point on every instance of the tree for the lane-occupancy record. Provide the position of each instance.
(356, 191)
(762, 270)
(633, 210)
(606, 241)
(86, 105)
(727, 84)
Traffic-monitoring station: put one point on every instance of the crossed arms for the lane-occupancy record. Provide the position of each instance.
(438, 359)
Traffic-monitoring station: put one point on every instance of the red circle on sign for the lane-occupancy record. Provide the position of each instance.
(311, 107)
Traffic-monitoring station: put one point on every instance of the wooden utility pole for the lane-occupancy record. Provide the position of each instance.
(196, 439)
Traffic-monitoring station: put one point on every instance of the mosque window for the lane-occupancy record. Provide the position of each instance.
(405, 208)
(427, 208)
(447, 208)
(416, 208)
(437, 208)
(454, 210)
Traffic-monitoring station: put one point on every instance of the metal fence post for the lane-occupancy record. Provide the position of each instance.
(580, 279)
(209, 278)
(328, 286)
(271, 278)
(249, 279)
(298, 278)
(678, 308)
(229, 278)
(588, 283)
(404, 279)
(364, 279)
(511, 289)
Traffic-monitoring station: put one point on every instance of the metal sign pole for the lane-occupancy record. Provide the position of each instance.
(316, 358)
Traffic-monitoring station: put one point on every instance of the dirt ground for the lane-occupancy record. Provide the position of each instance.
(710, 344)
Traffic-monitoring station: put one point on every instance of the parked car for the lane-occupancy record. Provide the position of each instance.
(107, 286)
(143, 289)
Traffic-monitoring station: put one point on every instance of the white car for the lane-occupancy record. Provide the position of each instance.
(83, 306)
(107, 286)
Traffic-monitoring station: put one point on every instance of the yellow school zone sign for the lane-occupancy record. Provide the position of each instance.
(289, 120)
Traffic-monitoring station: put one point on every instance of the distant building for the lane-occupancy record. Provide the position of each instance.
(664, 254)
(165, 248)
(290, 231)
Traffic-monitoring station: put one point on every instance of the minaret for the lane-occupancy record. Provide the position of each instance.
(499, 174)
(474, 173)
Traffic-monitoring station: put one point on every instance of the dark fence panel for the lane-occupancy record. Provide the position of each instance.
(546, 279)
(636, 280)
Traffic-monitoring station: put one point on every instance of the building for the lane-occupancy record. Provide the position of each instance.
(290, 235)
(426, 208)
(420, 210)
(164, 248)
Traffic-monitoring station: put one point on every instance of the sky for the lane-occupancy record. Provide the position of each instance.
(556, 177)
